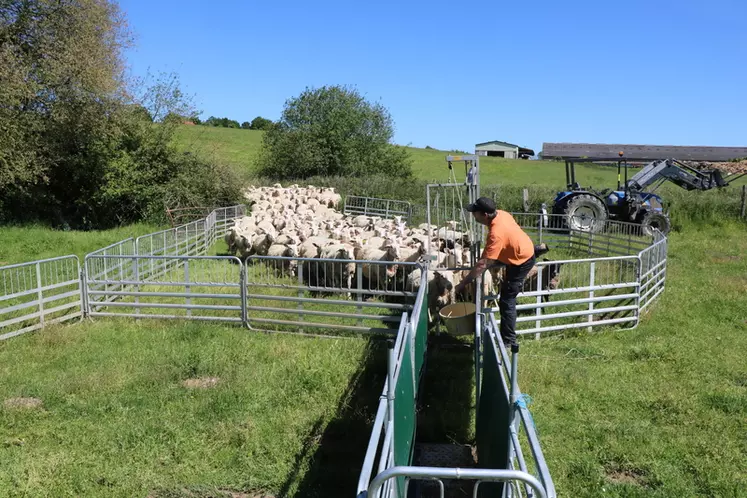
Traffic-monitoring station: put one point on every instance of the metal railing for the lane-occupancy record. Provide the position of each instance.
(39, 293)
(499, 447)
(373, 206)
(393, 434)
(575, 293)
(286, 293)
(195, 287)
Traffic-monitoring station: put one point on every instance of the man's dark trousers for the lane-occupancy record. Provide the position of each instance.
(510, 288)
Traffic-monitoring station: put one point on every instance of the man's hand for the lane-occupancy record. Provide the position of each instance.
(460, 287)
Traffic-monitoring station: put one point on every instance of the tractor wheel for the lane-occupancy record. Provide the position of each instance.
(586, 213)
(655, 220)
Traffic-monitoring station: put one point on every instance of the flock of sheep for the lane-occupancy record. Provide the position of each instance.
(304, 222)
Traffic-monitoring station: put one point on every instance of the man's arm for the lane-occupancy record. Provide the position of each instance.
(480, 267)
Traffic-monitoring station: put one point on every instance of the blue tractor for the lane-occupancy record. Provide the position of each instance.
(587, 210)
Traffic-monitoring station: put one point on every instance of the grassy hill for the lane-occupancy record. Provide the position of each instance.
(239, 148)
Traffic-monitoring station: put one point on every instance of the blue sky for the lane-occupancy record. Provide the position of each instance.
(453, 74)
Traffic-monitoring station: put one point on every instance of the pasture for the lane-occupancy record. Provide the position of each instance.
(657, 411)
(239, 148)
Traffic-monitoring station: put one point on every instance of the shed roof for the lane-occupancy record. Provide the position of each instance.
(642, 152)
(498, 142)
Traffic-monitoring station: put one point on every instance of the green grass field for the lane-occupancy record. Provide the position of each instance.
(27, 243)
(239, 148)
(656, 411)
(117, 418)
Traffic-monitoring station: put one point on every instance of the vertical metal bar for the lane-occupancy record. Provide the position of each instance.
(187, 287)
(410, 330)
(512, 419)
(242, 290)
(538, 311)
(390, 384)
(136, 272)
(39, 294)
(478, 359)
(743, 210)
(300, 294)
(359, 286)
(541, 223)
(592, 271)
(428, 219)
(120, 264)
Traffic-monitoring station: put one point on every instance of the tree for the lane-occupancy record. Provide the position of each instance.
(260, 123)
(78, 146)
(246, 125)
(332, 131)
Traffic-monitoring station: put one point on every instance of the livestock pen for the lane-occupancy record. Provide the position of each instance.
(173, 275)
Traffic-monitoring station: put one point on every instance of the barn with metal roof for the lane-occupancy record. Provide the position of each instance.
(497, 148)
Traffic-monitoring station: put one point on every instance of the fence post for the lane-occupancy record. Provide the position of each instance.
(525, 198)
(743, 212)
(83, 291)
(592, 271)
(40, 294)
(243, 293)
(541, 218)
(538, 311)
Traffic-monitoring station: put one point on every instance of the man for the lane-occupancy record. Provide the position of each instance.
(507, 244)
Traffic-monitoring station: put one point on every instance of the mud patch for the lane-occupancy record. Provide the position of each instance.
(722, 258)
(629, 476)
(201, 383)
(22, 403)
(733, 284)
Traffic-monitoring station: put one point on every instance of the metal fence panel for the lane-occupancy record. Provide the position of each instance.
(492, 417)
(293, 294)
(373, 206)
(404, 406)
(192, 239)
(224, 218)
(195, 287)
(38, 293)
(576, 293)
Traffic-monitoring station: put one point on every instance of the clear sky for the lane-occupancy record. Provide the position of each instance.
(456, 73)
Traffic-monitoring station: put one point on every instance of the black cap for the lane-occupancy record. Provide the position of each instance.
(483, 204)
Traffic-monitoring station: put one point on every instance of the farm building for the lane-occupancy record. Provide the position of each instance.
(496, 148)
(641, 152)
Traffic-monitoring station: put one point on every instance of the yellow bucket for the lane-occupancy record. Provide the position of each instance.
(459, 318)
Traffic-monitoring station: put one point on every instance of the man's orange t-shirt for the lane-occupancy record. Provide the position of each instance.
(507, 242)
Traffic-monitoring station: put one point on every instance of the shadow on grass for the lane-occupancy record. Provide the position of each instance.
(335, 452)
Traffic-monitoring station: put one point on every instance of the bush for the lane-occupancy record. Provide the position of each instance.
(260, 123)
(332, 131)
